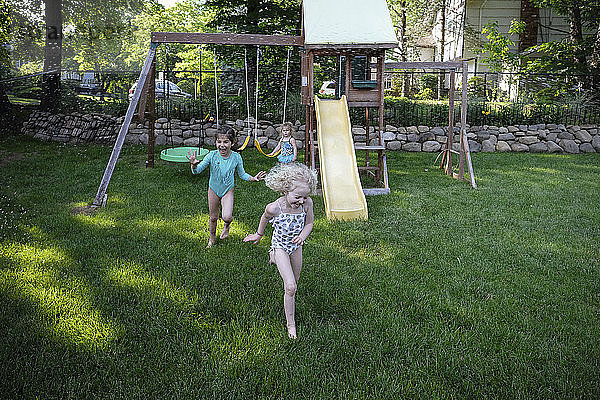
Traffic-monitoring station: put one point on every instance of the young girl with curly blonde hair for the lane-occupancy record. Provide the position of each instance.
(292, 218)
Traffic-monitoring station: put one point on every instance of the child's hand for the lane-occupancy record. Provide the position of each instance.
(258, 177)
(192, 157)
(253, 237)
(299, 240)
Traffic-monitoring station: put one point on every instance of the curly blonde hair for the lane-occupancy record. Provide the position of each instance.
(283, 178)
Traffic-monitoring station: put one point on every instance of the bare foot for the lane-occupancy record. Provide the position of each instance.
(291, 331)
(224, 232)
(211, 241)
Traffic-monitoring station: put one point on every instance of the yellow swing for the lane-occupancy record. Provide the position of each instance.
(256, 142)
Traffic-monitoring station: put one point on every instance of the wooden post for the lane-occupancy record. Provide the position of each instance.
(450, 141)
(463, 123)
(381, 88)
(466, 142)
(312, 138)
(151, 113)
(311, 122)
(143, 100)
(368, 140)
(100, 199)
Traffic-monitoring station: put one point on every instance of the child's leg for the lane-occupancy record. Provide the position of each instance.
(296, 261)
(226, 212)
(213, 216)
(284, 266)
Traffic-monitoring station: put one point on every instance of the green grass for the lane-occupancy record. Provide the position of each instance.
(22, 100)
(446, 292)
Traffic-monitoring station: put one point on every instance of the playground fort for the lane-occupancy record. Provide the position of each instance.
(349, 30)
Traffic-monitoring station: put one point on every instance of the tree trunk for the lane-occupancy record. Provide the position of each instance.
(530, 16)
(252, 16)
(595, 62)
(403, 47)
(50, 100)
(576, 33)
(5, 106)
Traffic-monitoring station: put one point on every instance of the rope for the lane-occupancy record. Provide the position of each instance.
(287, 74)
(216, 89)
(247, 101)
(256, 142)
(256, 98)
(166, 91)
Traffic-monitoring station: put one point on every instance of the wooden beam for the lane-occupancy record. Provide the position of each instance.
(227, 38)
(151, 113)
(450, 139)
(101, 194)
(463, 123)
(424, 65)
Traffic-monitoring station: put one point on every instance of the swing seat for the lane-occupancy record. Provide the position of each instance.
(178, 154)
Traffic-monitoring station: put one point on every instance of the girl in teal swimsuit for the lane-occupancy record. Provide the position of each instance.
(223, 164)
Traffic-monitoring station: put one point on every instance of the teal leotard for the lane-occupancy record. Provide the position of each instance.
(222, 171)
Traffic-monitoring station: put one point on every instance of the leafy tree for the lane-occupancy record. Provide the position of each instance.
(497, 50)
(271, 17)
(5, 49)
(581, 14)
(576, 55)
(413, 19)
(73, 17)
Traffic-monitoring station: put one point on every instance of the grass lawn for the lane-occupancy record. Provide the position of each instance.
(446, 292)
(22, 101)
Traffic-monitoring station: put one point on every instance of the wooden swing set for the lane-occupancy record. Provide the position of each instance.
(365, 93)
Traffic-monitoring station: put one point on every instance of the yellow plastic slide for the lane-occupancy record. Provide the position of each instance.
(342, 191)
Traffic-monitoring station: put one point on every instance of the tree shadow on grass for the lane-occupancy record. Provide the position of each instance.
(382, 295)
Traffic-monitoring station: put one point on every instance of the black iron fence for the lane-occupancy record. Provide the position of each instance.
(193, 96)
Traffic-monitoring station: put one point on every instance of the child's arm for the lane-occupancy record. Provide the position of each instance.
(293, 143)
(309, 221)
(246, 176)
(270, 211)
(275, 150)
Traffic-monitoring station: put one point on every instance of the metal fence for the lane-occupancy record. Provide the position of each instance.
(108, 92)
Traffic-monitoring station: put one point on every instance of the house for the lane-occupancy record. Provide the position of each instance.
(465, 19)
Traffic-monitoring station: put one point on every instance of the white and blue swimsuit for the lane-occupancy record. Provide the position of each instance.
(286, 226)
(287, 152)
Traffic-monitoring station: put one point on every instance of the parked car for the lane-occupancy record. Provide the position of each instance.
(89, 84)
(162, 88)
(328, 88)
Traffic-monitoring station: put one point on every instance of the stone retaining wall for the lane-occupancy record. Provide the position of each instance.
(98, 128)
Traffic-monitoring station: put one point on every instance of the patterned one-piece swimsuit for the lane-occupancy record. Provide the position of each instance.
(287, 226)
(287, 152)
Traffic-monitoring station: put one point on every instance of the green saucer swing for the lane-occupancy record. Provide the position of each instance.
(178, 154)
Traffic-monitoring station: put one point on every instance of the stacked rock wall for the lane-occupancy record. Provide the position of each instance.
(98, 128)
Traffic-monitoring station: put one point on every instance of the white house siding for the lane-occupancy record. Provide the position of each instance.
(481, 12)
(466, 18)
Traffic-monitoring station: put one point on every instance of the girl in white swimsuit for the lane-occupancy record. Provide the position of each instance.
(292, 217)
